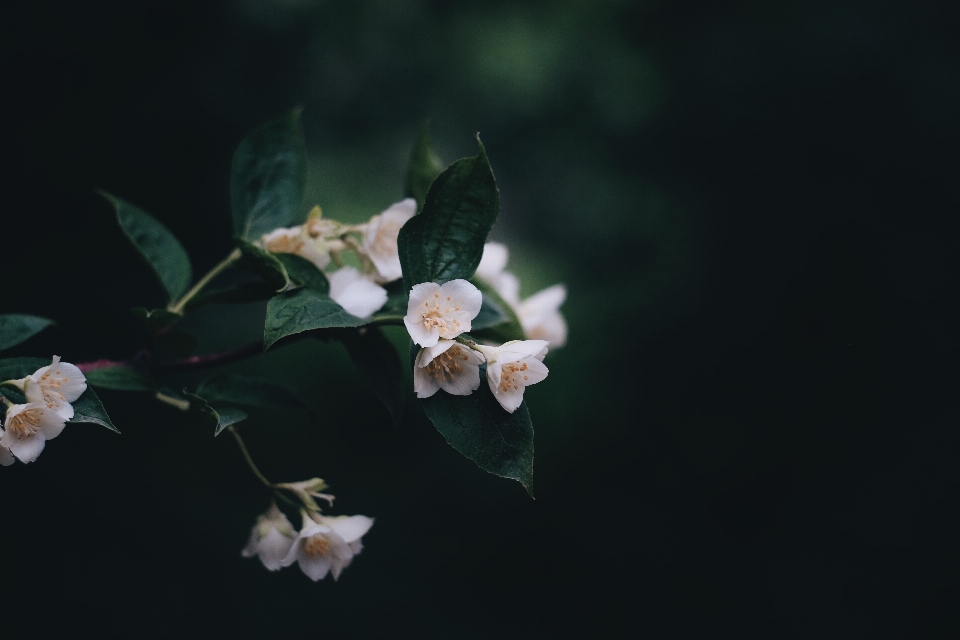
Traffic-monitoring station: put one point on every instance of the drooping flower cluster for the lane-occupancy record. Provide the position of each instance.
(539, 314)
(436, 316)
(322, 241)
(49, 393)
(323, 545)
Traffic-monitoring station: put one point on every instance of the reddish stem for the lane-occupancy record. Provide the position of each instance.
(185, 364)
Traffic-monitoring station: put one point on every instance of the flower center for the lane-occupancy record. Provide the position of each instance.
(317, 546)
(445, 366)
(433, 316)
(510, 376)
(25, 423)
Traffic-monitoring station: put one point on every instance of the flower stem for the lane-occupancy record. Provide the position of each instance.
(183, 405)
(178, 306)
(246, 456)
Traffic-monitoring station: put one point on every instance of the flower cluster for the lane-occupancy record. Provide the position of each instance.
(322, 241)
(49, 392)
(539, 314)
(323, 545)
(436, 316)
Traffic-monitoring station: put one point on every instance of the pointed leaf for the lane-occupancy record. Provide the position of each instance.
(88, 408)
(18, 327)
(425, 165)
(120, 379)
(265, 264)
(267, 179)
(227, 417)
(479, 428)
(497, 320)
(445, 240)
(302, 310)
(248, 390)
(304, 272)
(377, 359)
(162, 251)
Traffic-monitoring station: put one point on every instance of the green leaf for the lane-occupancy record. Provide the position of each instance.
(302, 310)
(240, 294)
(120, 379)
(265, 264)
(257, 392)
(496, 321)
(445, 241)
(162, 251)
(479, 428)
(267, 178)
(425, 165)
(155, 320)
(378, 362)
(86, 408)
(228, 416)
(304, 272)
(17, 327)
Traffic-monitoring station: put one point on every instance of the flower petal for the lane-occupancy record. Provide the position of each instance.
(356, 294)
(518, 349)
(350, 528)
(27, 449)
(464, 383)
(6, 457)
(493, 262)
(420, 334)
(463, 295)
(315, 568)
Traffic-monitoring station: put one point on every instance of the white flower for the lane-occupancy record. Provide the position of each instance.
(354, 292)
(512, 367)
(493, 261)
(271, 538)
(441, 311)
(6, 457)
(380, 238)
(295, 240)
(328, 545)
(448, 366)
(57, 385)
(29, 426)
(540, 316)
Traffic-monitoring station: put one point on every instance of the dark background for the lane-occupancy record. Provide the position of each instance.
(752, 432)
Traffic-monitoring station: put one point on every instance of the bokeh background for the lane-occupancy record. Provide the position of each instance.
(753, 205)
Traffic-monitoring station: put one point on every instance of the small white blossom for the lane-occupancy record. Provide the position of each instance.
(380, 238)
(441, 311)
(356, 293)
(29, 426)
(540, 316)
(55, 385)
(327, 545)
(512, 367)
(271, 538)
(449, 366)
(6, 457)
(295, 240)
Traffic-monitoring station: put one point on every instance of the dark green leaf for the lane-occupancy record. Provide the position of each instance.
(424, 167)
(120, 379)
(240, 294)
(17, 327)
(156, 320)
(303, 310)
(396, 304)
(162, 251)
(304, 272)
(202, 412)
(267, 178)
(228, 416)
(88, 408)
(17, 368)
(496, 321)
(180, 343)
(265, 264)
(378, 362)
(257, 392)
(479, 428)
(445, 241)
